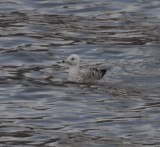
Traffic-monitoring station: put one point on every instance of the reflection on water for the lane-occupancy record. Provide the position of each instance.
(38, 106)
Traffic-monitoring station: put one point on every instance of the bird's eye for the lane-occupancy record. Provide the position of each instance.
(72, 59)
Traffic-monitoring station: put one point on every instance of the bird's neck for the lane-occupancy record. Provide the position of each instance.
(73, 73)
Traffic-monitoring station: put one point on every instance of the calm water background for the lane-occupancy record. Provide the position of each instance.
(38, 109)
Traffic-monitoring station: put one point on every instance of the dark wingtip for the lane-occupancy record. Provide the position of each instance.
(103, 71)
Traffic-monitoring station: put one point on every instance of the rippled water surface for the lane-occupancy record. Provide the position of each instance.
(37, 106)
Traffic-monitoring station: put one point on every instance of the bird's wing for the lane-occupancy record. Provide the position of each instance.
(92, 74)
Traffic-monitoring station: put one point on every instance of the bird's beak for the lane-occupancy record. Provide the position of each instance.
(65, 61)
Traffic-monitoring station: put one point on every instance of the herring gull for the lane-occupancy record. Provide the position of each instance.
(84, 75)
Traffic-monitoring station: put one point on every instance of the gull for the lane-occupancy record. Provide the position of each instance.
(82, 76)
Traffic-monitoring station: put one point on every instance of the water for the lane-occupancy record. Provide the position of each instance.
(39, 109)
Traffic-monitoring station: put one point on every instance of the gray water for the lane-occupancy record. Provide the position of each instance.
(39, 108)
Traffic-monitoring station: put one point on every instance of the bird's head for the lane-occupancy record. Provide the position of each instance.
(73, 60)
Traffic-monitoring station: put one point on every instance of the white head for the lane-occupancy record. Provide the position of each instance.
(73, 60)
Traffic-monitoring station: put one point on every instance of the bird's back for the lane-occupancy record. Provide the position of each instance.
(92, 74)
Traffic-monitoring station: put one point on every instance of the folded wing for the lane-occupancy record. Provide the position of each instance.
(93, 74)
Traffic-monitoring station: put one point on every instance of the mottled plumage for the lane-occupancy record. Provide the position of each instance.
(92, 74)
(82, 76)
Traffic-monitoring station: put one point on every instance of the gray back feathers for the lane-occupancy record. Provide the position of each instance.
(92, 74)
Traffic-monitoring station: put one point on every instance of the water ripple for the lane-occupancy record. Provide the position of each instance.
(40, 108)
